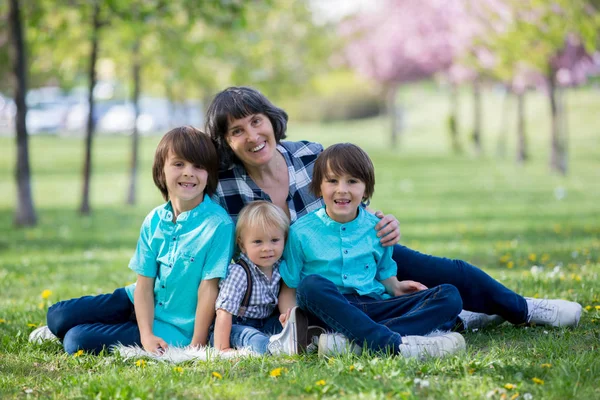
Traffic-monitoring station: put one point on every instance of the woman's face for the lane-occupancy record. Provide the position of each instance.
(252, 139)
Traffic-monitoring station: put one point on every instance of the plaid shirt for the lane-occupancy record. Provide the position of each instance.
(236, 188)
(265, 291)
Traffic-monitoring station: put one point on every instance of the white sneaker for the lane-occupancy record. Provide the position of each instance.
(292, 339)
(553, 312)
(333, 344)
(473, 320)
(41, 334)
(313, 334)
(432, 346)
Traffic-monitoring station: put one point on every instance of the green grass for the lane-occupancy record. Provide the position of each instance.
(501, 216)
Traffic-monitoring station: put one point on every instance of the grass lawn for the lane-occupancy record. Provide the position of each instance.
(503, 217)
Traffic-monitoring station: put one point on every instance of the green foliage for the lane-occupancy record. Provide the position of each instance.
(334, 96)
(502, 217)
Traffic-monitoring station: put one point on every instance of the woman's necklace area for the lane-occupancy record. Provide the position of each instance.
(278, 176)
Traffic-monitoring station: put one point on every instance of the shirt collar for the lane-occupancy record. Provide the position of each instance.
(330, 223)
(166, 212)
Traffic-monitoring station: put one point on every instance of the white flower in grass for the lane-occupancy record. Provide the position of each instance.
(527, 396)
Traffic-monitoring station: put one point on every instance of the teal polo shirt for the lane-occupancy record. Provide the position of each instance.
(349, 255)
(179, 255)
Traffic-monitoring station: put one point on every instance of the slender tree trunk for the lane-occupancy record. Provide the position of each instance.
(557, 161)
(135, 134)
(477, 116)
(504, 126)
(563, 129)
(522, 154)
(25, 212)
(395, 115)
(87, 168)
(453, 120)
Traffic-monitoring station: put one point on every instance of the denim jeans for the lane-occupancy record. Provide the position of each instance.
(92, 323)
(254, 333)
(379, 324)
(479, 291)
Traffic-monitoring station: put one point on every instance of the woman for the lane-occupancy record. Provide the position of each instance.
(257, 165)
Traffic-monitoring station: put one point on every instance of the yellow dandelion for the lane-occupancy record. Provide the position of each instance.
(537, 381)
(510, 386)
(320, 382)
(32, 325)
(588, 308)
(597, 308)
(178, 369)
(352, 368)
(2, 321)
(41, 305)
(471, 371)
(46, 293)
(217, 375)
(140, 363)
(79, 353)
(514, 396)
(331, 361)
(546, 365)
(532, 257)
(510, 264)
(505, 258)
(275, 372)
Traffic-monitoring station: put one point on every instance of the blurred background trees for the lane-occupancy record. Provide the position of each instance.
(141, 67)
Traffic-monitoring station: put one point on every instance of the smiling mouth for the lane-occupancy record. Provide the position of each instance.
(258, 148)
(342, 202)
(187, 185)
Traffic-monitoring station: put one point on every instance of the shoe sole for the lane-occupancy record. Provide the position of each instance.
(300, 321)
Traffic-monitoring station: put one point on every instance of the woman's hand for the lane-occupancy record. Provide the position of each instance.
(154, 344)
(388, 229)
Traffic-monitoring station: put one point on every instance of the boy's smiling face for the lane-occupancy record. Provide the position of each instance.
(263, 247)
(342, 195)
(185, 183)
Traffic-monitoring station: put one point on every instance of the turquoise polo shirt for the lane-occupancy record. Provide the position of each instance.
(179, 255)
(349, 255)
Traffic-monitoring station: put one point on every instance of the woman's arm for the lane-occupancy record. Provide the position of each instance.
(205, 310)
(287, 300)
(143, 303)
(222, 330)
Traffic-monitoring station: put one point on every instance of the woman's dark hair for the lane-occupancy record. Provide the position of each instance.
(235, 103)
(192, 145)
(344, 158)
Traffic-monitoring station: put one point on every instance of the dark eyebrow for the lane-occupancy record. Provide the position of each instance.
(250, 117)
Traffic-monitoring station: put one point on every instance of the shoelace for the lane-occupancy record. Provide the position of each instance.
(543, 311)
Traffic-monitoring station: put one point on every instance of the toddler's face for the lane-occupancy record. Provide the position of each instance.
(263, 248)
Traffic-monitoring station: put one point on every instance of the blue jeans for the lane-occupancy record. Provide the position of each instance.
(479, 291)
(379, 324)
(254, 333)
(92, 323)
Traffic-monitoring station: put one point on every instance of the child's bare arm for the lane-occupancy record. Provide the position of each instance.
(222, 330)
(143, 302)
(398, 288)
(205, 310)
(287, 300)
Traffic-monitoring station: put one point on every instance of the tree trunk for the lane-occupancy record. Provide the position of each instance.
(87, 169)
(477, 116)
(504, 126)
(564, 132)
(557, 158)
(453, 120)
(395, 115)
(522, 154)
(135, 134)
(25, 213)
